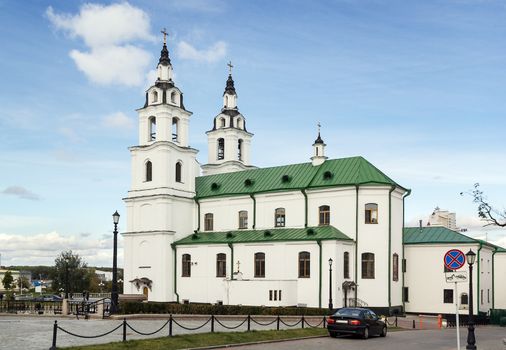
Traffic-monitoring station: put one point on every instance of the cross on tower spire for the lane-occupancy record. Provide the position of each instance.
(230, 66)
(319, 126)
(164, 32)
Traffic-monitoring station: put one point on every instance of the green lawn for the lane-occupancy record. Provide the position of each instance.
(206, 339)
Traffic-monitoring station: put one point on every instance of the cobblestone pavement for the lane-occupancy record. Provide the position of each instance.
(35, 332)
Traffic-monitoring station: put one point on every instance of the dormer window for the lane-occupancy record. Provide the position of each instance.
(154, 98)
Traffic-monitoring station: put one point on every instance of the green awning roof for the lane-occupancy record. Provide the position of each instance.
(427, 235)
(335, 172)
(263, 236)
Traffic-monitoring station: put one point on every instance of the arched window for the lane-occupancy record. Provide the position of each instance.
(367, 265)
(324, 215)
(371, 213)
(221, 265)
(259, 265)
(240, 124)
(239, 149)
(175, 129)
(208, 221)
(152, 128)
(178, 171)
(155, 96)
(149, 171)
(221, 149)
(464, 299)
(395, 267)
(222, 122)
(186, 265)
(173, 97)
(346, 265)
(279, 217)
(226, 101)
(304, 265)
(243, 219)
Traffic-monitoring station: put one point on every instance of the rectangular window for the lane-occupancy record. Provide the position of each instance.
(324, 215)
(346, 265)
(221, 265)
(395, 262)
(259, 264)
(404, 265)
(448, 296)
(367, 265)
(279, 295)
(481, 296)
(243, 219)
(279, 217)
(405, 294)
(304, 265)
(208, 222)
(488, 296)
(270, 295)
(186, 265)
(275, 295)
(371, 213)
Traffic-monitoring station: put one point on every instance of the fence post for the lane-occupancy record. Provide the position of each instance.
(170, 325)
(413, 324)
(124, 329)
(55, 330)
(396, 321)
(212, 323)
(324, 322)
(302, 321)
(249, 323)
(277, 325)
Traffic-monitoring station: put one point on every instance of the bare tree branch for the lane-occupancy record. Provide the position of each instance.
(486, 211)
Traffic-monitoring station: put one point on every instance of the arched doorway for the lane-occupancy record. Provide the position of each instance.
(145, 291)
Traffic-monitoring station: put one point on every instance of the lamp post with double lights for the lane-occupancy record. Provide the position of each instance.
(471, 340)
(114, 292)
(331, 306)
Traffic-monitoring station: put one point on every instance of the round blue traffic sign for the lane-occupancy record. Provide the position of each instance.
(454, 259)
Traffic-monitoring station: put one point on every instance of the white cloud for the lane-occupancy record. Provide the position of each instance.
(108, 31)
(214, 53)
(44, 248)
(100, 25)
(118, 120)
(21, 192)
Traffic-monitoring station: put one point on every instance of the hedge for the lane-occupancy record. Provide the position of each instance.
(209, 309)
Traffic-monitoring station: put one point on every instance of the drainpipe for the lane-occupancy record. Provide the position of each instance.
(402, 259)
(175, 271)
(305, 206)
(198, 213)
(356, 243)
(319, 242)
(390, 248)
(254, 210)
(231, 260)
(479, 298)
(493, 277)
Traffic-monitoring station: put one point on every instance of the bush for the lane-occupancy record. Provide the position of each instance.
(502, 322)
(209, 309)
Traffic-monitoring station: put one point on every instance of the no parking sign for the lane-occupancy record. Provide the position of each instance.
(454, 259)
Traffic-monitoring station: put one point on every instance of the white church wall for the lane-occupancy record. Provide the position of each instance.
(426, 281)
(226, 212)
(293, 202)
(500, 281)
(484, 294)
(396, 247)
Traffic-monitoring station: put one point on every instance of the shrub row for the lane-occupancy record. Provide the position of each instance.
(209, 309)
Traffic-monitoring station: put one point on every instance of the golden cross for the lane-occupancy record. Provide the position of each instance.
(164, 32)
(230, 66)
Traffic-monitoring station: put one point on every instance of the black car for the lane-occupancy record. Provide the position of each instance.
(358, 321)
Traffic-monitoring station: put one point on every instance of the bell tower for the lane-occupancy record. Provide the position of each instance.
(228, 141)
(160, 201)
(318, 150)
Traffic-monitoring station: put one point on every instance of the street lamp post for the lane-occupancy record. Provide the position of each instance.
(471, 340)
(330, 284)
(66, 278)
(114, 292)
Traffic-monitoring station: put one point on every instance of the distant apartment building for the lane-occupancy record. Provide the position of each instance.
(443, 218)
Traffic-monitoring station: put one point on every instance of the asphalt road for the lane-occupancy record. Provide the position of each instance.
(488, 338)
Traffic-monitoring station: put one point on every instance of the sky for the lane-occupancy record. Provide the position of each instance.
(415, 87)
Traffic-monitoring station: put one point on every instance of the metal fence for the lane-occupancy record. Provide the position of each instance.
(172, 323)
(31, 307)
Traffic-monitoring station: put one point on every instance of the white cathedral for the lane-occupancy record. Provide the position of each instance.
(310, 234)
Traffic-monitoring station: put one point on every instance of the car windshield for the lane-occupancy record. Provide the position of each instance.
(348, 312)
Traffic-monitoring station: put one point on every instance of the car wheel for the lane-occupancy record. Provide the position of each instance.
(365, 334)
(383, 332)
(333, 334)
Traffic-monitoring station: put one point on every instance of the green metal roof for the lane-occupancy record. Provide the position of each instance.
(335, 172)
(501, 250)
(262, 236)
(427, 235)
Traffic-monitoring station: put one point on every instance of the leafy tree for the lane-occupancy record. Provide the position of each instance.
(72, 268)
(486, 211)
(22, 282)
(7, 280)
